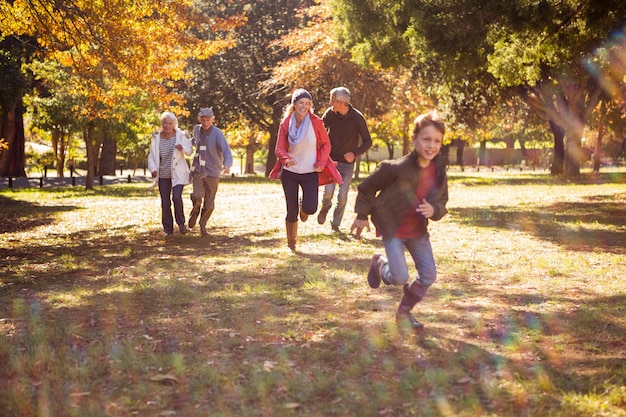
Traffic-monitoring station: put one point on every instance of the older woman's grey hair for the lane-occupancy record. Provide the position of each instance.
(171, 116)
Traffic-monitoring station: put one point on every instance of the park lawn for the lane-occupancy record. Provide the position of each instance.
(101, 315)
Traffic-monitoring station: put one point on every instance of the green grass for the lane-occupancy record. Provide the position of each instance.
(101, 315)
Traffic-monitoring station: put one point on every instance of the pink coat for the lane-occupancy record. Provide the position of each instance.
(323, 151)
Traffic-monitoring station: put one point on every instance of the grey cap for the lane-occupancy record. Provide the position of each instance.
(206, 112)
(300, 93)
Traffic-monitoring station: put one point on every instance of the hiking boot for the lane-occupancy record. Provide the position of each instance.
(374, 274)
(183, 229)
(321, 217)
(192, 219)
(406, 319)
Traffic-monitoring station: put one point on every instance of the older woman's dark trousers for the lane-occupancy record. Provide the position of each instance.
(171, 194)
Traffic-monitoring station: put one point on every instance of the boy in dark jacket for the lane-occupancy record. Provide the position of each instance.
(401, 196)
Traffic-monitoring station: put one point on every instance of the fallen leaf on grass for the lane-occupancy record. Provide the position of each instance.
(164, 378)
(291, 406)
(268, 366)
(464, 380)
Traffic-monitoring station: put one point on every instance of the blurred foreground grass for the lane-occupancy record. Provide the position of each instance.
(100, 315)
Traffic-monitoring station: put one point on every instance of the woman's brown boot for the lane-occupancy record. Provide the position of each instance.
(292, 233)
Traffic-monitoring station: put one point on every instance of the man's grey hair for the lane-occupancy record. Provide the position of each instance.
(341, 94)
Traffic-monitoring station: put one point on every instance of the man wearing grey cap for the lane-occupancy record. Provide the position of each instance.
(213, 156)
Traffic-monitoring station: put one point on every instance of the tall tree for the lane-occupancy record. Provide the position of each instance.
(230, 81)
(13, 84)
(534, 46)
(52, 107)
(117, 50)
(317, 62)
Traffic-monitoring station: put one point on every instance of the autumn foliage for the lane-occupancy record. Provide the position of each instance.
(118, 47)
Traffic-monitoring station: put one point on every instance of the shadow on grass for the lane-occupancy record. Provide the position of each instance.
(569, 224)
(540, 342)
(20, 215)
(256, 335)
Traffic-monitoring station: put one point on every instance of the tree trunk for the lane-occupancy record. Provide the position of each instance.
(106, 164)
(271, 144)
(271, 155)
(460, 147)
(61, 158)
(509, 152)
(482, 152)
(12, 130)
(556, 168)
(97, 138)
(598, 152)
(567, 108)
(574, 154)
(390, 149)
(522, 145)
(58, 146)
(250, 149)
(445, 154)
(56, 134)
(89, 147)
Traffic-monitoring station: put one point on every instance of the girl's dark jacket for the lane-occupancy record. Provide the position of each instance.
(389, 192)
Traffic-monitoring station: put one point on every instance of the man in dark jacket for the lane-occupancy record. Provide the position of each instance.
(349, 138)
(401, 196)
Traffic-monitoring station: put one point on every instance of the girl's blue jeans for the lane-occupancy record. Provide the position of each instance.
(396, 271)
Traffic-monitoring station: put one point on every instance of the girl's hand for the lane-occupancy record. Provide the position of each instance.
(425, 209)
(359, 225)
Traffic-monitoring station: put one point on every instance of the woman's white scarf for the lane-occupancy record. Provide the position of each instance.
(296, 134)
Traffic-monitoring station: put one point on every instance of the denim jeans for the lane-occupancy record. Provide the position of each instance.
(167, 196)
(292, 182)
(347, 171)
(396, 272)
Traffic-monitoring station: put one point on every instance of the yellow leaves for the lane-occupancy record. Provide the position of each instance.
(4, 145)
(14, 19)
(119, 47)
(242, 134)
(206, 49)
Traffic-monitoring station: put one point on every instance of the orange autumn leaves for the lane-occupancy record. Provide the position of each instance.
(118, 49)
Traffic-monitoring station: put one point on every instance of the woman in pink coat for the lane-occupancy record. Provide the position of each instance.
(302, 150)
